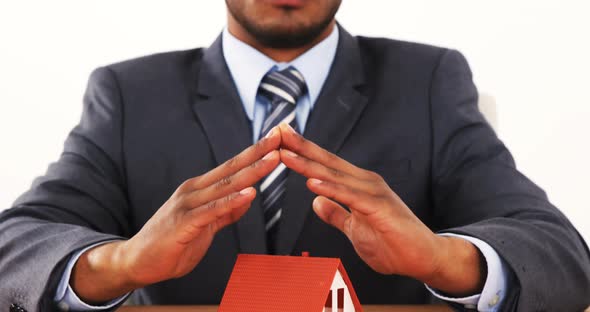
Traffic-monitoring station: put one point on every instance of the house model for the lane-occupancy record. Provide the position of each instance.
(289, 283)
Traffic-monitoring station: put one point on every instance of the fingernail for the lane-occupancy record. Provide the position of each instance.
(316, 202)
(315, 181)
(290, 154)
(246, 191)
(270, 133)
(268, 156)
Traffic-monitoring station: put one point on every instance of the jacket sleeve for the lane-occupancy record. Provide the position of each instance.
(478, 192)
(81, 200)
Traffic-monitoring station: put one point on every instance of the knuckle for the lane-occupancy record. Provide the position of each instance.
(182, 200)
(178, 202)
(232, 162)
(229, 198)
(186, 185)
(331, 157)
(355, 195)
(344, 189)
(373, 191)
(197, 182)
(211, 205)
(193, 200)
(193, 183)
(223, 182)
(255, 164)
(373, 176)
(259, 146)
(336, 173)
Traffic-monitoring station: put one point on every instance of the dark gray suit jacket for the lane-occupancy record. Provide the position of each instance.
(404, 110)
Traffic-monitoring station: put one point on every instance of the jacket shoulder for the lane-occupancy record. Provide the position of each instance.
(404, 55)
(161, 65)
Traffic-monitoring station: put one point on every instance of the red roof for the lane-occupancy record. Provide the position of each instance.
(282, 283)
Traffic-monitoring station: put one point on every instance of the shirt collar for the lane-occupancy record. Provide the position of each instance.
(248, 66)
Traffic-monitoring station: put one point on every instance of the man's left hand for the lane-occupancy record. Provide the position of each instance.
(382, 229)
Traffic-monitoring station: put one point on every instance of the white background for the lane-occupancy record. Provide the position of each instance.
(533, 56)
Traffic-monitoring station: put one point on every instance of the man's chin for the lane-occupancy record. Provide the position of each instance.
(284, 24)
(286, 33)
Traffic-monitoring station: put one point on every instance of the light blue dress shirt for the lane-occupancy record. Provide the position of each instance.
(247, 67)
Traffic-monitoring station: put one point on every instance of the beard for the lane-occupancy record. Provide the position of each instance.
(291, 28)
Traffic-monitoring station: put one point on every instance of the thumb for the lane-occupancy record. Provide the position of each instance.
(332, 213)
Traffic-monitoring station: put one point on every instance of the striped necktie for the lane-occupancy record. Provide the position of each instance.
(282, 89)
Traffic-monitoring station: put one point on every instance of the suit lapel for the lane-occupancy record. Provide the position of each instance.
(335, 113)
(218, 109)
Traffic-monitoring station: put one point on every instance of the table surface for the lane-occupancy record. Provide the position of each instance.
(366, 308)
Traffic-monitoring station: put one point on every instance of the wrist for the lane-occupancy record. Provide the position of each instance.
(101, 275)
(123, 262)
(460, 268)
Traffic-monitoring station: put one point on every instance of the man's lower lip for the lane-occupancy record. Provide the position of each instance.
(287, 3)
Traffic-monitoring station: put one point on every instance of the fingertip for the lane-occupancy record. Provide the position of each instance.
(289, 158)
(272, 140)
(286, 128)
(267, 164)
(271, 133)
(276, 136)
(322, 209)
(275, 157)
(314, 184)
(288, 153)
(287, 133)
(317, 206)
(248, 192)
(278, 131)
(316, 201)
(270, 155)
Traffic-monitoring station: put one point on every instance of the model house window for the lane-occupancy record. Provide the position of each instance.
(340, 301)
(328, 305)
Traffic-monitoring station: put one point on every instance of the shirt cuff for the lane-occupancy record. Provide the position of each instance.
(65, 297)
(494, 290)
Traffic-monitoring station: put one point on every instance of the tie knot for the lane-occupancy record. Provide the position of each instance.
(285, 85)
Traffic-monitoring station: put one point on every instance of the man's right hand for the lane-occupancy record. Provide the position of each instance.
(178, 235)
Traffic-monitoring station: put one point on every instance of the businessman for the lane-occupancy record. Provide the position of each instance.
(286, 135)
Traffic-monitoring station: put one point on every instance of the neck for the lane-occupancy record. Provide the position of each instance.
(278, 55)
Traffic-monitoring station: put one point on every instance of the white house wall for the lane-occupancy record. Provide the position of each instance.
(337, 283)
